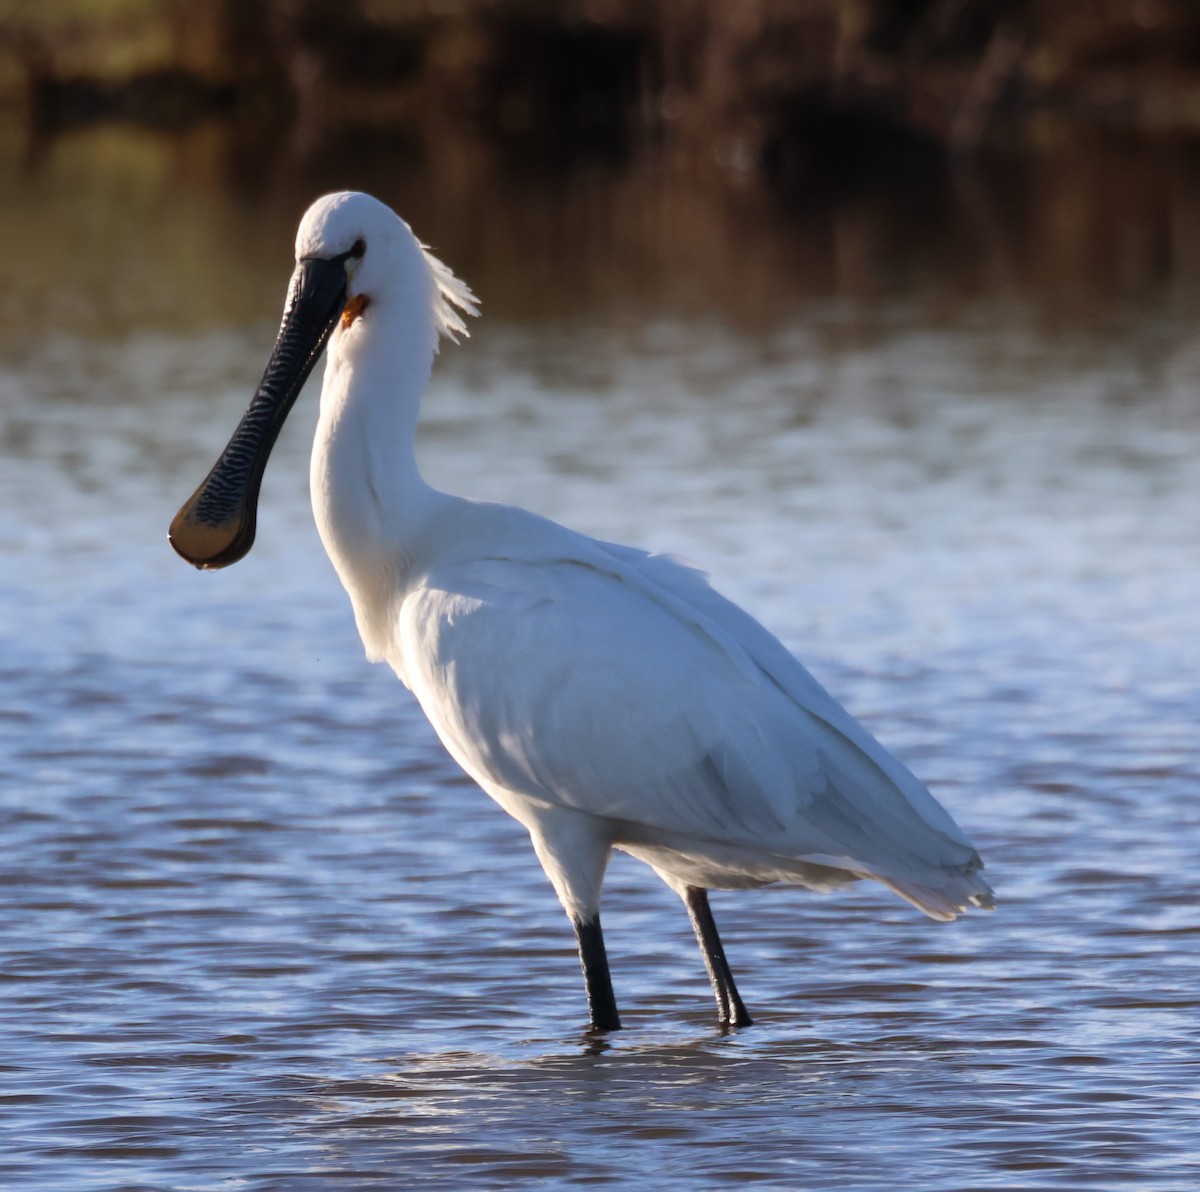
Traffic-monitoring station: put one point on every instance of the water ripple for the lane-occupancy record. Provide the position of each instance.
(260, 931)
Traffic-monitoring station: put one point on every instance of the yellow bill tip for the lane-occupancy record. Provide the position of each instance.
(206, 545)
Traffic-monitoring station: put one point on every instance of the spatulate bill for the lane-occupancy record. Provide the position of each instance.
(216, 525)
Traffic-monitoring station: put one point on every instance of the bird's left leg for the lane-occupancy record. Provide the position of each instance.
(574, 849)
(730, 1009)
(602, 1002)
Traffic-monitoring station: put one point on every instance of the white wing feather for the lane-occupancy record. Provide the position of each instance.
(601, 678)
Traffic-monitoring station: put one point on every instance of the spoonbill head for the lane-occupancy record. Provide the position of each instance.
(335, 280)
(605, 697)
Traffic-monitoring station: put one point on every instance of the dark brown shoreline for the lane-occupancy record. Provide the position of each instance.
(781, 86)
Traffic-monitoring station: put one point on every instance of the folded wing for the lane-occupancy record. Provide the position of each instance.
(622, 685)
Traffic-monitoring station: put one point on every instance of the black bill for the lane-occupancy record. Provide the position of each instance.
(215, 527)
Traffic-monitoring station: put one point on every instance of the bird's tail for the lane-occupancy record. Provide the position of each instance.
(964, 890)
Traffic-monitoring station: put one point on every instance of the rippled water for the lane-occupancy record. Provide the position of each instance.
(260, 933)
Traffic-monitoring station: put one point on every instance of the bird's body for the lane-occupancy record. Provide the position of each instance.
(604, 697)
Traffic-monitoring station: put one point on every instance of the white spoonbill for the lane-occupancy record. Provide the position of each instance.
(604, 697)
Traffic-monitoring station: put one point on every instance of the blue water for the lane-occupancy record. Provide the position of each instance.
(259, 932)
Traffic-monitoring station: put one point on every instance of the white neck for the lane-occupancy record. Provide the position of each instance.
(368, 497)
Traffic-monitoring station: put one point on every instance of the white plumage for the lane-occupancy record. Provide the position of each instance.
(605, 697)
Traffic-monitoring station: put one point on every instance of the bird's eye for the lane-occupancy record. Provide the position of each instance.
(359, 247)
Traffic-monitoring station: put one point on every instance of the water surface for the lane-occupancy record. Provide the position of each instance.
(260, 933)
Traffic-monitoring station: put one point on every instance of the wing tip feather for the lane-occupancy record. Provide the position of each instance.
(945, 903)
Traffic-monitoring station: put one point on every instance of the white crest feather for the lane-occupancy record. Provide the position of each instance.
(449, 292)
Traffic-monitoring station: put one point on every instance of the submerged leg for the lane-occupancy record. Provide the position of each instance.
(602, 1005)
(730, 1010)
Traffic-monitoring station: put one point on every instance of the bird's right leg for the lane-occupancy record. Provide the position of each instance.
(730, 1009)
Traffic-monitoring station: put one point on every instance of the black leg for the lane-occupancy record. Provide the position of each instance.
(602, 1005)
(730, 1010)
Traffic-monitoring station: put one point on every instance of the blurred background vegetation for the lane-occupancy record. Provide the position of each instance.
(751, 84)
(1044, 149)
